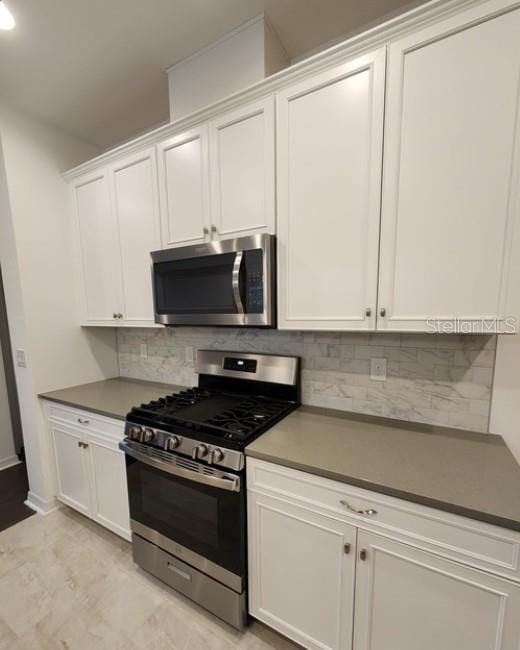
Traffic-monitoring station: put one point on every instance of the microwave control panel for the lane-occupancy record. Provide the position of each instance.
(254, 285)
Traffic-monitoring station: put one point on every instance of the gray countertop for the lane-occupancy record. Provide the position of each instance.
(111, 397)
(470, 474)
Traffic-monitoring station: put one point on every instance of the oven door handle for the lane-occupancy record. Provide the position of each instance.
(235, 281)
(223, 481)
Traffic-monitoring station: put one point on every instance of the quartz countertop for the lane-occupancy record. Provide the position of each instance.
(111, 397)
(470, 474)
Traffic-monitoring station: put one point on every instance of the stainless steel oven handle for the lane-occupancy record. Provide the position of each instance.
(223, 482)
(236, 281)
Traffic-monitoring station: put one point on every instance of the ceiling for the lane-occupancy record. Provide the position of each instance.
(95, 68)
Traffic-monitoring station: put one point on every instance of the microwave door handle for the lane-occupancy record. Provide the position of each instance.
(235, 281)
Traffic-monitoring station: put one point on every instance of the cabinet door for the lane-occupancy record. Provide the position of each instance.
(97, 249)
(242, 170)
(108, 485)
(136, 207)
(329, 148)
(301, 577)
(451, 171)
(184, 188)
(408, 599)
(71, 468)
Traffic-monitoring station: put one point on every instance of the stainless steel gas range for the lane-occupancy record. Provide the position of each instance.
(186, 474)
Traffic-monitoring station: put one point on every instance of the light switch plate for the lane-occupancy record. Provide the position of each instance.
(378, 369)
(189, 354)
(21, 361)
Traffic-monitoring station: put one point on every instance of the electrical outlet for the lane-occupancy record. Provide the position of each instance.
(378, 369)
(21, 361)
(189, 354)
(143, 350)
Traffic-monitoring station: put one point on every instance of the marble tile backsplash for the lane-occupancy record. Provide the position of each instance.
(433, 378)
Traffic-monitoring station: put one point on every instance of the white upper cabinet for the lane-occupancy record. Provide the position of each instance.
(184, 188)
(242, 171)
(451, 170)
(329, 151)
(97, 249)
(117, 227)
(136, 206)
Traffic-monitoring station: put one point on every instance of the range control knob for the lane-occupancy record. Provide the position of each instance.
(172, 443)
(199, 451)
(148, 435)
(134, 433)
(215, 456)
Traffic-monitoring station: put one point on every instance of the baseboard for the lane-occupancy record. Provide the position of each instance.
(42, 506)
(10, 461)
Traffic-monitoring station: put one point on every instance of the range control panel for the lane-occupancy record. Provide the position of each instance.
(240, 365)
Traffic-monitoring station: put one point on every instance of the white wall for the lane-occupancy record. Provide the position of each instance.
(37, 263)
(505, 404)
(7, 453)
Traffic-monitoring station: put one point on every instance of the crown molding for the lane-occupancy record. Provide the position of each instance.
(377, 36)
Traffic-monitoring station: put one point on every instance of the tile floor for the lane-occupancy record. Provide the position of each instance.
(67, 583)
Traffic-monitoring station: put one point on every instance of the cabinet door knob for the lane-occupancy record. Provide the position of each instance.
(205, 230)
(382, 312)
(114, 315)
(368, 312)
(346, 548)
(363, 554)
(213, 228)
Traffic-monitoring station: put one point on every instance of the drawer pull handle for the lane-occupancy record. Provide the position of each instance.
(179, 572)
(82, 421)
(368, 512)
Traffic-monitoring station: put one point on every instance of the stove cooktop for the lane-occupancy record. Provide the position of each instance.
(233, 419)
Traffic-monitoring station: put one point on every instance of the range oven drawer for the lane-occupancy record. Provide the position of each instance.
(219, 599)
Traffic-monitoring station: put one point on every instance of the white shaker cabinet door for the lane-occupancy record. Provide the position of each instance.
(108, 485)
(136, 208)
(329, 153)
(71, 468)
(242, 171)
(451, 172)
(184, 188)
(408, 599)
(301, 573)
(97, 249)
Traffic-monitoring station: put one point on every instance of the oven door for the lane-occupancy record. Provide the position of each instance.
(194, 512)
(227, 282)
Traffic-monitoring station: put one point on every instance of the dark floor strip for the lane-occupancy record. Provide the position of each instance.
(13, 492)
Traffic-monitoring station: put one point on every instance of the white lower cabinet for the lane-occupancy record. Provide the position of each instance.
(91, 471)
(355, 580)
(408, 599)
(302, 572)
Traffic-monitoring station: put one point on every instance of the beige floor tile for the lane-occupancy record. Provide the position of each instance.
(68, 584)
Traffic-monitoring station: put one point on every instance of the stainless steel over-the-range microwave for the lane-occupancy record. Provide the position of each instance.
(230, 282)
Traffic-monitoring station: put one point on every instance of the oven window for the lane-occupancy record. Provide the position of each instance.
(206, 520)
(191, 511)
(201, 285)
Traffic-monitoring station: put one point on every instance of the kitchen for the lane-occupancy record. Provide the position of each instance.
(267, 348)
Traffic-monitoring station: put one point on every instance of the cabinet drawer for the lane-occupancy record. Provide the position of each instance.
(466, 540)
(87, 421)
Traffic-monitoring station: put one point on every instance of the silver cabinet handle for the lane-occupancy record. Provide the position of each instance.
(363, 554)
(114, 315)
(82, 421)
(382, 312)
(120, 315)
(179, 572)
(205, 230)
(213, 228)
(368, 312)
(369, 512)
(346, 548)
(83, 444)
